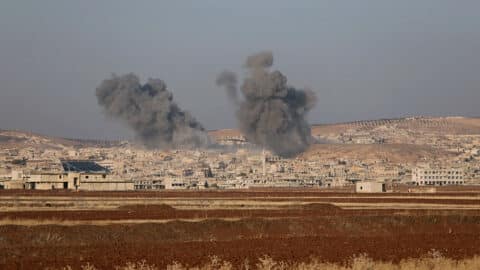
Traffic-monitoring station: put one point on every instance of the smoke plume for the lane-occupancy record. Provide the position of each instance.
(272, 114)
(228, 80)
(150, 111)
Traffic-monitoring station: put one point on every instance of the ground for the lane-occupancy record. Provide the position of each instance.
(394, 153)
(55, 229)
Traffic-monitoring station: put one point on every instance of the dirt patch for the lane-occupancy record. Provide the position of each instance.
(330, 238)
(304, 226)
(167, 212)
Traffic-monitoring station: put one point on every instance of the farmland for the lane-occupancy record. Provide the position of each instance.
(42, 230)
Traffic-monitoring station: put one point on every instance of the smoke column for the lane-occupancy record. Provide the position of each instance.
(228, 80)
(273, 114)
(150, 111)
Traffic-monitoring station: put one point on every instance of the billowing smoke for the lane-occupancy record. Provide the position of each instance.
(272, 114)
(150, 111)
(228, 80)
(260, 60)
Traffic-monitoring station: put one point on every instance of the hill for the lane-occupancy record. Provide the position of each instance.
(395, 153)
(15, 138)
(399, 132)
(443, 125)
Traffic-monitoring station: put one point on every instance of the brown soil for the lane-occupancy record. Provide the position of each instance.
(330, 238)
(292, 233)
(165, 212)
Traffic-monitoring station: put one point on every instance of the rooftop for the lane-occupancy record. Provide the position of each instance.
(82, 166)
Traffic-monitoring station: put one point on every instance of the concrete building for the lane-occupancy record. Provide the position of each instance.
(438, 176)
(12, 179)
(78, 175)
(88, 175)
(174, 183)
(149, 184)
(46, 181)
(369, 187)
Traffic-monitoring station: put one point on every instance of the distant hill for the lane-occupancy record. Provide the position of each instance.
(397, 153)
(440, 125)
(443, 125)
(15, 138)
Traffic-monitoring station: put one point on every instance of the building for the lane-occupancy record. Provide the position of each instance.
(88, 175)
(46, 181)
(11, 179)
(78, 175)
(369, 187)
(174, 183)
(438, 176)
(149, 184)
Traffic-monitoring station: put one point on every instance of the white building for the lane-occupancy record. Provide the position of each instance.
(437, 176)
(369, 187)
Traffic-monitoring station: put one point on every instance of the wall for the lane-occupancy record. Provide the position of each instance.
(106, 186)
(45, 185)
(13, 184)
(48, 181)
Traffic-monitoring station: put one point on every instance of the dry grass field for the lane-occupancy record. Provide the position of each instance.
(265, 229)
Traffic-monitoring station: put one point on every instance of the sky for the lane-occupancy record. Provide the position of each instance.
(364, 59)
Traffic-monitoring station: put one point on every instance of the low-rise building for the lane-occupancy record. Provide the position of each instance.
(46, 181)
(78, 175)
(369, 187)
(438, 176)
(174, 183)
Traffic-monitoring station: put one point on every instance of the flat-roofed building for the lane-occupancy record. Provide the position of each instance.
(175, 183)
(78, 175)
(438, 176)
(369, 187)
(46, 181)
(88, 175)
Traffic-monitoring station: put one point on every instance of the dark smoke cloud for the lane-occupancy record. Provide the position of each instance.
(228, 80)
(150, 111)
(273, 114)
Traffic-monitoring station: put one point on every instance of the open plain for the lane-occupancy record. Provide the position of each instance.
(55, 229)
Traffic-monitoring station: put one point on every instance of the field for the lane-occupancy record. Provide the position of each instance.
(51, 230)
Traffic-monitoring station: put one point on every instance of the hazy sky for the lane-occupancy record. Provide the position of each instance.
(364, 59)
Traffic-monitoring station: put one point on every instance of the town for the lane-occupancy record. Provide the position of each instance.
(413, 152)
